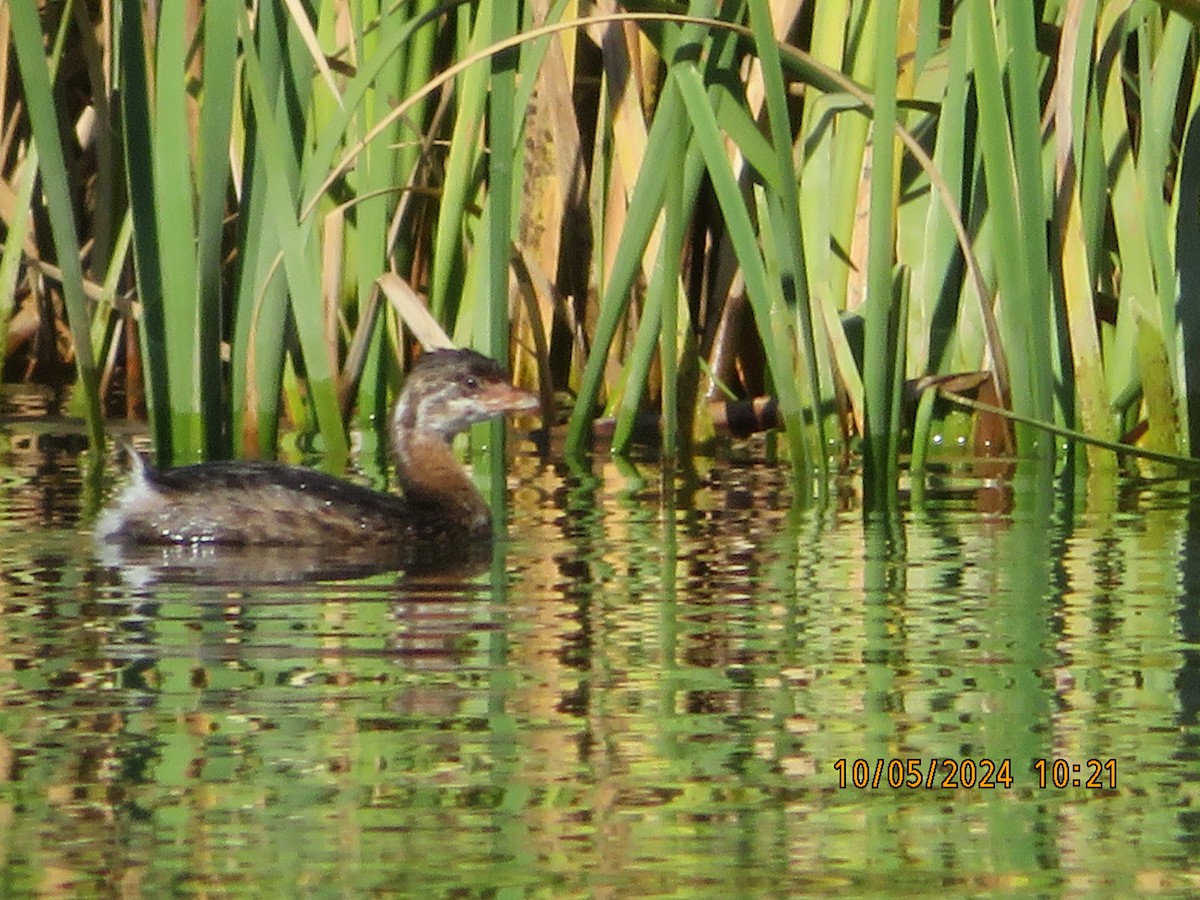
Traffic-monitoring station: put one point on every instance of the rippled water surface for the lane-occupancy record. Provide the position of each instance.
(659, 685)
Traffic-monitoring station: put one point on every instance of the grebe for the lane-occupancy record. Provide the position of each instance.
(273, 504)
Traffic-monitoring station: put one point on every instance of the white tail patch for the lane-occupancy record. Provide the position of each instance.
(137, 496)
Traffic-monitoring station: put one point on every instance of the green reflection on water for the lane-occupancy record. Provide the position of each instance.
(646, 692)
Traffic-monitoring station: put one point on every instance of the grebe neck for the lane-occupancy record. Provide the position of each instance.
(434, 480)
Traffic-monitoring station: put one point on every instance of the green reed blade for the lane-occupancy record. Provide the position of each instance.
(299, 249)
(260, 312)
(644, 205)
(1025, 68)
(879, 389)
(793, 268)
(1159, 117)
(365, 244)
(735, 120)
(502, 131)
(938, 272)
(414, 40)
(771, 318)
(138, 143)
(502, 146)
(662, 292)
(661, 312)
(1158, 390)
(824, 226)
(1137, 290)
(1075, 266)
(39, 98)
(1025, 344)
(212, 185)
(678, 201)
(461, 173)
(850, 143)
(175, 229)
(637, 367)
(899, 323)
(331, 133)
(107, 303)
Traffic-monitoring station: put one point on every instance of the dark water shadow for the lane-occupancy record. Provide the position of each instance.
(144, 566)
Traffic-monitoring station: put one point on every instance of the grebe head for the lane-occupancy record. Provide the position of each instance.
(447, 391)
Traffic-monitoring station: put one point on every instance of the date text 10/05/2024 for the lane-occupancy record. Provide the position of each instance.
(946, 773)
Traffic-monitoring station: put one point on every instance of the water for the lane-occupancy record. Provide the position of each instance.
(645, 692)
